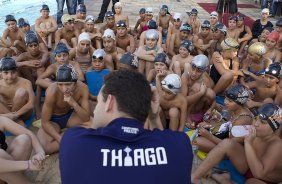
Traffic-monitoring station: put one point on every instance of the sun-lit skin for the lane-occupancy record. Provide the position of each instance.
(151, 43)
(232, 24)
(84, 46)
(270, 44)
(62, 58)
(89, 26)
(270, 80)
(183, 52)
(160, 67)
(11, 25)
(66, 87)
(108, 44)
(196, 73)
(33, 49)
(45, 13)
(98, 64)
(10, 76)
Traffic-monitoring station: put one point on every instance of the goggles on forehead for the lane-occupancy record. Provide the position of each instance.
(120, 25)
(100, 57)
(205, 25)
(91, 19)
(199, 69)
(170, 86)
(234, 47)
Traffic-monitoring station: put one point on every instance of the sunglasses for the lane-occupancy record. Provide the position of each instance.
(274, 72)
(235, 47)
(198, 69)
(100, 57)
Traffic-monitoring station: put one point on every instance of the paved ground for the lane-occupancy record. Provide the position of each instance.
(51, 175)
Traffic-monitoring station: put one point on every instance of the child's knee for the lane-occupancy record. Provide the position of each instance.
(173, 113)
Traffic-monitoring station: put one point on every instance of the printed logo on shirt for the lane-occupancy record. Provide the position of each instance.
(130, 130)
(138, 157)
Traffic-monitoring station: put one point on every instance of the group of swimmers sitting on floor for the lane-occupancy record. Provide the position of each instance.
(194, 66)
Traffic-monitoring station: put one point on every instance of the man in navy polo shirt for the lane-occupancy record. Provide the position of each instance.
(117, 149)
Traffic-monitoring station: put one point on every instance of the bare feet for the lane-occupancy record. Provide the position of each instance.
(223, 178)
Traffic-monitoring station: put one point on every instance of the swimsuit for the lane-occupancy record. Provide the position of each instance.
(3, 144)
(215, 75)
(249, 175)
(242, 34)
(62, 120)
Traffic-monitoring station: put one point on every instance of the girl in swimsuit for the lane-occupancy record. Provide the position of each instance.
(224, 70)
(254, 65)
(235, 99)
(272, 52)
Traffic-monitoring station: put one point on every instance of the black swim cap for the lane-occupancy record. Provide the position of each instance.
(238, 94)
(270, 29)
(109, 14)
(7, 63)
(152, 24)
(206, 24)
(66, 73)
(45, 7)
(162, 58)
(142, 10)
(121, 23)
(272, 113)
(130, 60)
(274, 70)
(10, 18)
(31, 37)
(241, 16)
(187, 44)
(61, 48)
(279, 22)
(233, 17)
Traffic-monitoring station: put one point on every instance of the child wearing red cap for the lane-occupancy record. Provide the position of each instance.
(272, 52)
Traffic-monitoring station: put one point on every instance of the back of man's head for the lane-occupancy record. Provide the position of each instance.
(132, 92)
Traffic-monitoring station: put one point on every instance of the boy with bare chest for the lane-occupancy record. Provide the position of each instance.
(11, 36)
(266, 89)
(197, 88)
(67, 34)
(179, 60)
(66, 105)
(173, 103)
(17, 97)
(46, 26)
(124, 40)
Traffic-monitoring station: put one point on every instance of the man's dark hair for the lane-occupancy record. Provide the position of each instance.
(132, 92)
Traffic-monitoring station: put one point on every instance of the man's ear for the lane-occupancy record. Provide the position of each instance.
(110, 103)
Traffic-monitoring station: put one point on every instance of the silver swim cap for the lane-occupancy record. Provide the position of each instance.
(200, 61)
(152, 34)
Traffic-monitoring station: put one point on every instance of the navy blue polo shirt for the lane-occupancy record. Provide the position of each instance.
(124, 152)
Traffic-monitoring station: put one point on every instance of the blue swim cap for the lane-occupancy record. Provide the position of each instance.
(23, 22)
(7, 63)
(10, 18)
(130, 60)
(61, 48)
(238, 94)
(31, 37)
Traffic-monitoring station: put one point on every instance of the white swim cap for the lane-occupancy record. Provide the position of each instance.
(84, 36)
(109, 34)
(177, 16)
(118, 4)
(99, 53)
(149, 10)
(90, 18)
(172, 82)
